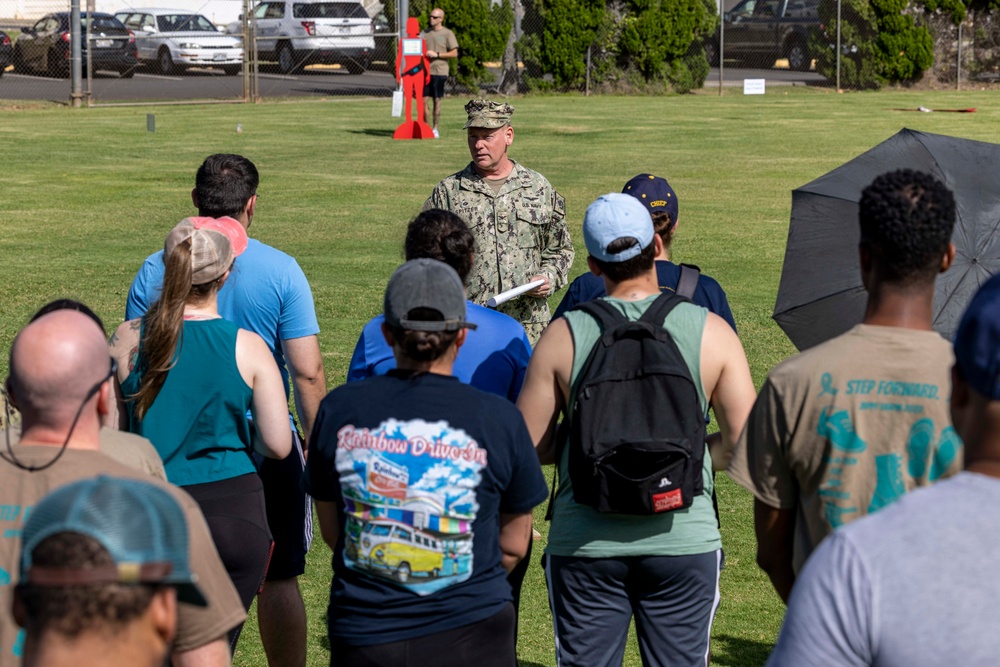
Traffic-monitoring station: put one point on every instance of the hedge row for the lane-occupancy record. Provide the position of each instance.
(657, 45)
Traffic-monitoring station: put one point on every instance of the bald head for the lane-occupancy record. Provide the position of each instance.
(54, 362)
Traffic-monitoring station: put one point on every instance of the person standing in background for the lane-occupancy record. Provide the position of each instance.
(847, 427)
(186, 378)
(517, 217)
(269, 295)
(441, 47)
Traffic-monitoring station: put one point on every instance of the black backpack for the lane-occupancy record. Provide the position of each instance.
(637, 435)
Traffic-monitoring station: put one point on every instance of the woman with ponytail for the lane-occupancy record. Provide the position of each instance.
(186, 380)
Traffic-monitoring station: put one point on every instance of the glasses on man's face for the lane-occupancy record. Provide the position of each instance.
(437, 17)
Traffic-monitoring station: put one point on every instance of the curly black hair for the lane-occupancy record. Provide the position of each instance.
(72, 610)
(907, 218)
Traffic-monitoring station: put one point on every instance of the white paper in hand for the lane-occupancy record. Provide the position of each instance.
(504, 297)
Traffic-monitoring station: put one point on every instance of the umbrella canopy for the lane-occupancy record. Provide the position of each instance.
(821, 295)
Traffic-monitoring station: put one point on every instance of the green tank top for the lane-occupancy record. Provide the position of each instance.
(198, 421)
(579, 530)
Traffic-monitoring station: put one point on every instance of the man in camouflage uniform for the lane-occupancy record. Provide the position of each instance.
(518, 219)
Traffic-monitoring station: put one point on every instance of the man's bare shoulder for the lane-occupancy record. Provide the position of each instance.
(554, 349)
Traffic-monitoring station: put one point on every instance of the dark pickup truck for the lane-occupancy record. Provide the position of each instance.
(763, 31)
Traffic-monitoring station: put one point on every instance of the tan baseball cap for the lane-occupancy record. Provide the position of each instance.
(215, 245)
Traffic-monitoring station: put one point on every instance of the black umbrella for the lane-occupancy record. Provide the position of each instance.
(821, 296)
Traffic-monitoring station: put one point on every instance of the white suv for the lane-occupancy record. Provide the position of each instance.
(176, 38)
(296, 33)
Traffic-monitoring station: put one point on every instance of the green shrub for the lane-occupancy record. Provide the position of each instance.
(636, 45)
(557, 34)
(879, 43)
(956, 8)
(657, 38)
(481, 29)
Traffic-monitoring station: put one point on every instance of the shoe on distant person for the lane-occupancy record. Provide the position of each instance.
(436, 135)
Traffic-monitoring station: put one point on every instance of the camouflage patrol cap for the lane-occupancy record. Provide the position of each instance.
(488, 114)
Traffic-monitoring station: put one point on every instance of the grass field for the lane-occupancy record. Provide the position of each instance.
(86, 195)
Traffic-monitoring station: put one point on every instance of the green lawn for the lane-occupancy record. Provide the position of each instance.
(87, 194)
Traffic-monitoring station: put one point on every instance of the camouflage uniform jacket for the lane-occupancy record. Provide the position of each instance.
(520, 232)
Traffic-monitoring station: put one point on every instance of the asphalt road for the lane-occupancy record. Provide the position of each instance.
(209, 84)
(197, 84)
(734, 76)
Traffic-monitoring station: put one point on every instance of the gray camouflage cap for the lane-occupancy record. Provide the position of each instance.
(488, 114)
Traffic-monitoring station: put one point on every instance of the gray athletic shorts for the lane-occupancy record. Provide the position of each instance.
(673, 600)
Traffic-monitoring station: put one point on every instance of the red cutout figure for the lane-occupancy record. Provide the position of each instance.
(414, 69)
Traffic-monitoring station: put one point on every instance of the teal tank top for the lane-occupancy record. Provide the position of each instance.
(198, 421)
(579, 530)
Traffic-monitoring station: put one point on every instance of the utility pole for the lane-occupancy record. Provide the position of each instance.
(77, 35)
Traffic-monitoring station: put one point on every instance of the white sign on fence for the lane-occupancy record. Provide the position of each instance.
(753, 86)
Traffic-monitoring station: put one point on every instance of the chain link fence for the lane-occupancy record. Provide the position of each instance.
(782, 42)
(245, 50)
(152, 56)
(194, 51)
(967, 54)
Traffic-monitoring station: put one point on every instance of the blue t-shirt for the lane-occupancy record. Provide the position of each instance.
(493, 359)
(708, 293)
(266, 293)
(420, 467)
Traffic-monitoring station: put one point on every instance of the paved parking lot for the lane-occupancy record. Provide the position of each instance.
(198, 84)
(210, 84)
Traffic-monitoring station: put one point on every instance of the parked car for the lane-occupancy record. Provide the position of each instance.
(45, 46)
(172, 39)
(296, 33)
(766, 30)
(6, 51)
(385, 40)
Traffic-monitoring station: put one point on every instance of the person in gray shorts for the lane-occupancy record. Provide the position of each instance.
(605, 568)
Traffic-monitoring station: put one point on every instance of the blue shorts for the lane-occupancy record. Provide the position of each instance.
(673, 600)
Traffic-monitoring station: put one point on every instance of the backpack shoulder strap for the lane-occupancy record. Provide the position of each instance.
(609, 318)
(688, 281)
(660, 308)
(602, 311)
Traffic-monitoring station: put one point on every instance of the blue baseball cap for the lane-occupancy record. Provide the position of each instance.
(615, 216)
(977, 353)
(655, 193)
(140, 525)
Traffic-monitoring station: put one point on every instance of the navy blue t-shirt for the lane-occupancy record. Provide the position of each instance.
(421, 467)
(708, 293)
